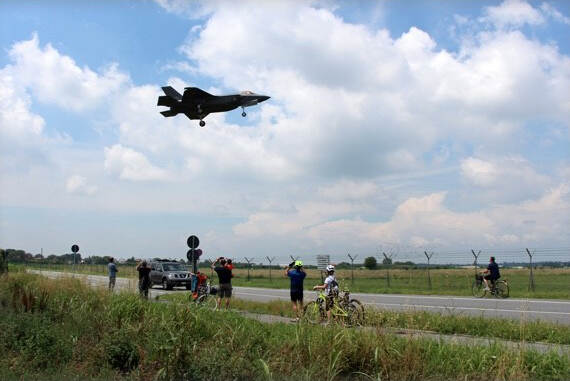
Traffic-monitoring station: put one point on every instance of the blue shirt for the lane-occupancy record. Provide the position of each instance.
(112, 269)
(494, 270)
(297, 278)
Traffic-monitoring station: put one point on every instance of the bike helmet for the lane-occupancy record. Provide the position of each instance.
(330, 268)
(298, 263)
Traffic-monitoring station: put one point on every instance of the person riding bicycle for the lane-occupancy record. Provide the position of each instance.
(331, 289)
(492, 273)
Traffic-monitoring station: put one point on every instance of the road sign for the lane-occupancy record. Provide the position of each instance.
(75, 248)
(193, 242)
(323, 261)
(193, 254)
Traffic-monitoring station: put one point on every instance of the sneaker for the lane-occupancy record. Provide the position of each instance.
(487, 289)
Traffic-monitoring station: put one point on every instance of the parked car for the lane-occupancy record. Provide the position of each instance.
(170, 274)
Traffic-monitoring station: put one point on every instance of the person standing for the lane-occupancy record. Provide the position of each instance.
(144, 279)
(225, 280)
(112, 273)
(295, 272)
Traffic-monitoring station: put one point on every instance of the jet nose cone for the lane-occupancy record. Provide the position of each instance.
(263, 98)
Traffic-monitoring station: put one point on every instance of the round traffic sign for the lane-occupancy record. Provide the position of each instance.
(193, 242)
(190, 255)
(75, 248)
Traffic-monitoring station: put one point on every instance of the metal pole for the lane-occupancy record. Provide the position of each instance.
(248, 266)
(531, 278)
(388, 264)
(270, 260)
(428, 256)
(476, 256)
(352, 267)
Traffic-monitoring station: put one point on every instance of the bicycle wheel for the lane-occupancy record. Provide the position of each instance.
(360, 307)
(478, 289)
(313, 313)
(206, 301)
(353, 315)
(502, 289)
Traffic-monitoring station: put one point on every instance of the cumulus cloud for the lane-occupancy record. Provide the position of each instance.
(78, 185)
(513, 13)
(129, 164)
(57, 79)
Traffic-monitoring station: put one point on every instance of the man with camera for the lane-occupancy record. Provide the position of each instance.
(225, 280)
(295, 272)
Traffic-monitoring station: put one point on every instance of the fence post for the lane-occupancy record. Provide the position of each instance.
(531, 277)
(428, 256)
(248, 260)
(352, 267)
(388, 264)
(270, 260)
(475, 262)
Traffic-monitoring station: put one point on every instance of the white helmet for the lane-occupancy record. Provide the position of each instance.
(330, 268)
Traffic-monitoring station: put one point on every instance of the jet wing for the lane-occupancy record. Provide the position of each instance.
(195, 93)
(168, 90)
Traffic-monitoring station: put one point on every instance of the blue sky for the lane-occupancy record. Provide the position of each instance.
(393, 126)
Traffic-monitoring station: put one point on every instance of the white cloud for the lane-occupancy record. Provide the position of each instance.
(129, 164)
(57, 79)
(479, 172)
(513, 13)
(78, 185)
(551, 11)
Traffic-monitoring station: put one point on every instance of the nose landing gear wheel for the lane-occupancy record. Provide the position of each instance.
(243, 114)
(202, 123)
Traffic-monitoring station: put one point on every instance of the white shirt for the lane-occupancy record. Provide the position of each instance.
(331, 284)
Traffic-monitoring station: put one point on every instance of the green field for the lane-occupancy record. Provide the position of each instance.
(550, 283)
(65, 330)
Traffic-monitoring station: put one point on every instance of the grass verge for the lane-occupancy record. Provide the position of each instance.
(507, 329)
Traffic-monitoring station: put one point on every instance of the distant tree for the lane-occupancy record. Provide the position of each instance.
(3, 262)
(370, 263)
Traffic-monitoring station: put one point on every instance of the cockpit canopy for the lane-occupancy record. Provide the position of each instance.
(247, 92)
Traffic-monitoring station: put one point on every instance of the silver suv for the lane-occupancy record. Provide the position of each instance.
(170, 274)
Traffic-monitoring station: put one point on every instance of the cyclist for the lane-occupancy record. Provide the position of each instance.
(297, 275)
(331, 289)
(491, 274)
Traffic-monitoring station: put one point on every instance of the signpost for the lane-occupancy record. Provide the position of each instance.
(194, 253)
(74, 250)
(322, 262)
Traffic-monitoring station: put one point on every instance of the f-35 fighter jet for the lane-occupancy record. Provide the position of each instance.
(197, 104)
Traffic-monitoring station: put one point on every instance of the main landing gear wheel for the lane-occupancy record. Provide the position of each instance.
(202, 123)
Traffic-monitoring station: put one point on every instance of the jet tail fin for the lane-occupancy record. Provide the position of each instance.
(168, 113)
(168, 90)
(166, 100)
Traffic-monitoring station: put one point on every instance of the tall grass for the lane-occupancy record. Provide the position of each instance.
(507, 329)
(92, 333)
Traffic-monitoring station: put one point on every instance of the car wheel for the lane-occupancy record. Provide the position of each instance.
(164, 284)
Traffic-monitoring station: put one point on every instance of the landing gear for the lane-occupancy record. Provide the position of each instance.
(202, 123)
(243, 112)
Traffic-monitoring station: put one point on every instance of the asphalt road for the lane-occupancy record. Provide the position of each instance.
(557, 311)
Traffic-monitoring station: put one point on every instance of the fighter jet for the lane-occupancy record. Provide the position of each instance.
(197, 104)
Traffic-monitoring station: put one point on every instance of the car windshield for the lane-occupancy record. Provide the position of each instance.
(173, 267)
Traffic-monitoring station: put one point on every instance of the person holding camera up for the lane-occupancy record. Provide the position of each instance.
(225, 280)
(295, 272)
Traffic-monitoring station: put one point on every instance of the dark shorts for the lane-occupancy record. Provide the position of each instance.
(491, 278)
(225, 290)
(296, 295)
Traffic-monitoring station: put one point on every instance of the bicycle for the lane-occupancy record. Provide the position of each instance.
(499, 288)
(345, 301)
(205, 296)
(349, 314)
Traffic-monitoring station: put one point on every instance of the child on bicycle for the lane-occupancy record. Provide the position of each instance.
(331, 289)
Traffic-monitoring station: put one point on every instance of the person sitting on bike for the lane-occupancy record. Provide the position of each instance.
(492, 273)
(331, 289)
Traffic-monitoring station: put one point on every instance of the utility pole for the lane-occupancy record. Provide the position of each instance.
(293, 258)
(248, 260)
(531, 278)
(270, 260)
(428, 256)
(352, 266)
